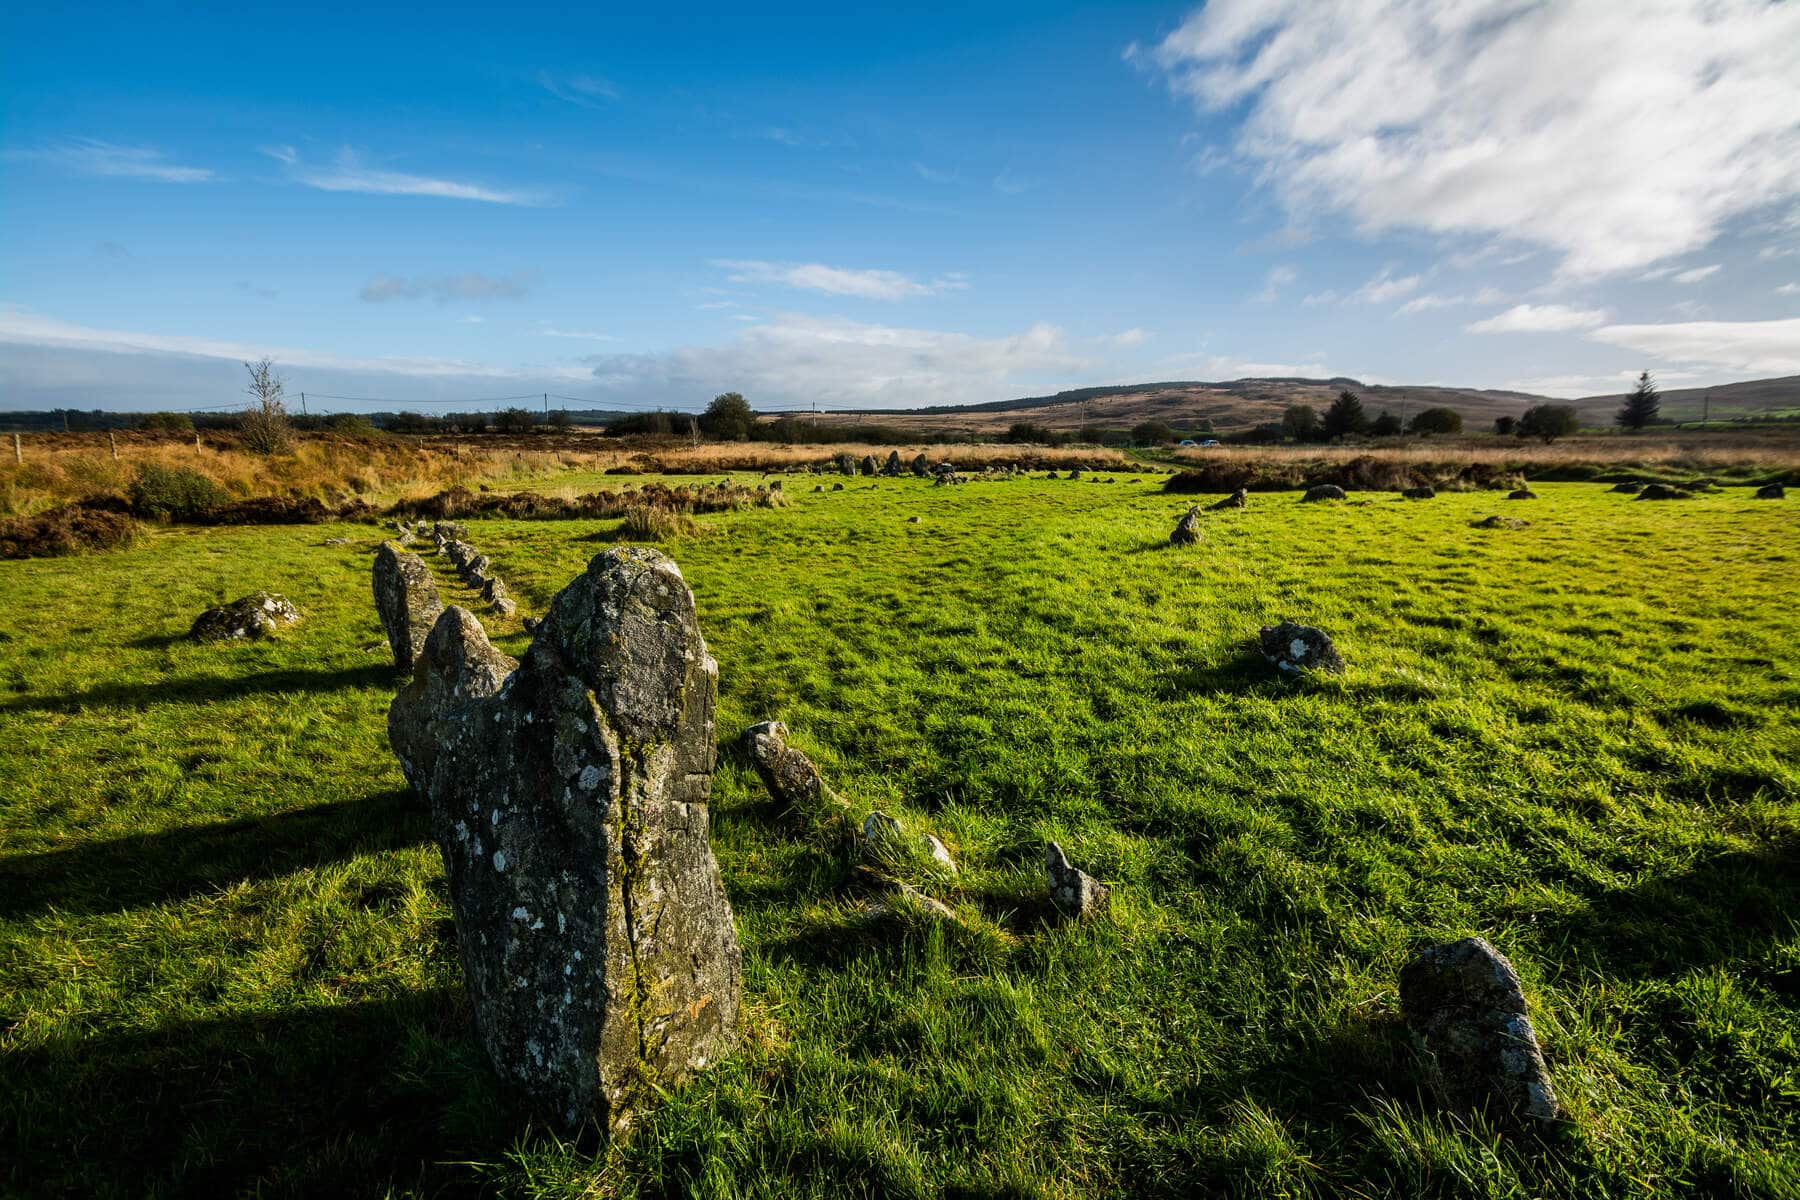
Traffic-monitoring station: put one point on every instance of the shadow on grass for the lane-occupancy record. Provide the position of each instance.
(375, 1098)
(1728, 907)
(205, 689)
(1243, 670)
(152, 868)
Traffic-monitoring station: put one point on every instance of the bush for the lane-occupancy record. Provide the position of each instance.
(264, 426)
(1504, 426)
(69, 529)
(649, 523)
(1437, 420)
(166, 422)
(354, 424)
(1152, 433)
(171, 492)
(1386, 425)
(513, 420)
(728, 418)
(1549, 422)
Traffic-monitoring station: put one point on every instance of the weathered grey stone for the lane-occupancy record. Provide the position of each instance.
(1499, 522)
(819, 487)
(1523, 493)
(248, 618)
(1237, 499)
(878, 828)
(1290, 647)
(492, 589)
(904, 896)
(1325, 491)
(837, 487)
(792, 779)
(569, 799)
(1463, 1000)
(914, 520)
(459, 553)
(477, 568)
(406, 600)
(869, 465)
(1187, 530)
(505, 607)
(921, 466)
(1630, 487)
(938, 853)
(1771, 491)
(1423, 492)
(892, 467)
(1073, 890)
(1662, 491)
(337, 541)
(1075, 473)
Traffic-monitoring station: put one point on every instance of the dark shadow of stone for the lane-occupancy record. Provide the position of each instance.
(207, 689)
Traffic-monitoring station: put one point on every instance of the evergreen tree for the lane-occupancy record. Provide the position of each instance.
(1345, 416)
(1641, 407)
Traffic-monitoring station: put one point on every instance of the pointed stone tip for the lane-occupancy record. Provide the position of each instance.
(1054, 858)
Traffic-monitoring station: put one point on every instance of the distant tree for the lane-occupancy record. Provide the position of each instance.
(1386, 425)
(1548, 421)
(1301, 422)
(1152, 433)
(412, 422)
(728, 418)
(264, 425)
(559, 419)
(354, 424)
(1436, 420)
(166, 422)
(1096, 434)
(1345, 416)
(1504, 426)
(514, 420)
(1641, 407)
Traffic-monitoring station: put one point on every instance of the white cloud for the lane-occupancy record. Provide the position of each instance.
(1315, 299)
(1279, 276)
(1697, 274)
(1127, 338)
(933, 175)
(796, 359)
(1540, 318)
(585, 335)
(838, 281)
(1757, 347)
(584, 91)
(21, 327)
(348, 174)
(1788, 289)
(1616, 134)
(1010, 183)
(93, 157)
(470, 285)
(1385, 287)
(1431, 300)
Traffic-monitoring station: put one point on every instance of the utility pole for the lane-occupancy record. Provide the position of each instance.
(693, 431)
(1706, 408)
(546, 408)
(303, 404)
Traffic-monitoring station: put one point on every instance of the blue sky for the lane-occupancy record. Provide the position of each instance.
(639, 207)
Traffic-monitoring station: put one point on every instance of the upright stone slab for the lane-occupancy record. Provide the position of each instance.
(1464, 1001)
(569, 798)
(792, 779)
(406, 599)
(1187, 530)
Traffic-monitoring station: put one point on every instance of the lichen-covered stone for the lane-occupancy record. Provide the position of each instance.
(1423, 492)
(1291, 647)
(1325, 491)
(1499, 522)
(869, 465)
(248, 618)
(1237, 499)
(921, 466)
(792, 779)
(1073, 890)
(1523, 493)
(1187, 530)
(568, 793)
(892, 468)
(1464, 1001)
(1662, 491)
(1771, 491)
(406, 600)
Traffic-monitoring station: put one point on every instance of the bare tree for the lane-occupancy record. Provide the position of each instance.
(264, 425)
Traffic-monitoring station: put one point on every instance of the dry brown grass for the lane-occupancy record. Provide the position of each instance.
(709, 458)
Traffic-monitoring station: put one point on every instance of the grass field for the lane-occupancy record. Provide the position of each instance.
(227, 965)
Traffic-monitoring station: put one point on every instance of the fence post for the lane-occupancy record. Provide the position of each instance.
(196, 443)
(18, 454)
(113, 442)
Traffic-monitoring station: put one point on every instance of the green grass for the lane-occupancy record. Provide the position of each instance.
(227, 966)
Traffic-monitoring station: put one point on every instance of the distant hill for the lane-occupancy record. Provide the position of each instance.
(1228, 406)
(1754, 398)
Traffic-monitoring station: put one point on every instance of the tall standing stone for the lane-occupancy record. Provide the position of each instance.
(406, 599)
(570, 802)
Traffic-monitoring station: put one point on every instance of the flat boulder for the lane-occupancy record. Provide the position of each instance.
(1630, 487)
(1523, 493)
(249, 618)
(1463, 1001)
(1291, 647)
(568, 794)
(406, 600)
(1662, 491)
(1325, 491)
(1498, 522)
(1423, 492)
(1073, 890)
(1771, 491)
(1237, 499)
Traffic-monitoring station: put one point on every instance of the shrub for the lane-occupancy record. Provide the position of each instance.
(1386, 425)
(1152, 433)
(728, 418)
(166, 422)
(649, 523)
(1437, 420)
(1549, 422)
(70, 529)
(513, 420)
(264, 426)
(1504, 426)
(354, 424)
(170, 492)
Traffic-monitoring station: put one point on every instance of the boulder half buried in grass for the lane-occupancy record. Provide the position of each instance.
(1293, 647)
(1237, 499)
(1463, 1000)
(569, 799)
(247, 619)
(406, 600)
(792, 779)
(1073, 890)
(1325, 491)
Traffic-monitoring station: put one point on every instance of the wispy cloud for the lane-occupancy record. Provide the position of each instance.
(1432, 300)
(838, 281)
(1788, 289)
(1615, 139)
(349, 174)
(92, 157)
(1697, 274)
(585, 335)
(1127, 338)
(1385, 287)
(470, 285)
(1010, 183)
(1540, 318)
(933, 174)
(585, 91)
(1278, 277)
(1754, 347)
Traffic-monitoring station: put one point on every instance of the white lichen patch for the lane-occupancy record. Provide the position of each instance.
(499, 860)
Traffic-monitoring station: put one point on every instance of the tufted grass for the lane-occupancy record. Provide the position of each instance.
(227, 966)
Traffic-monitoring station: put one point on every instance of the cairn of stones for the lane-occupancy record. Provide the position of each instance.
(568, 794)
(406, 599)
